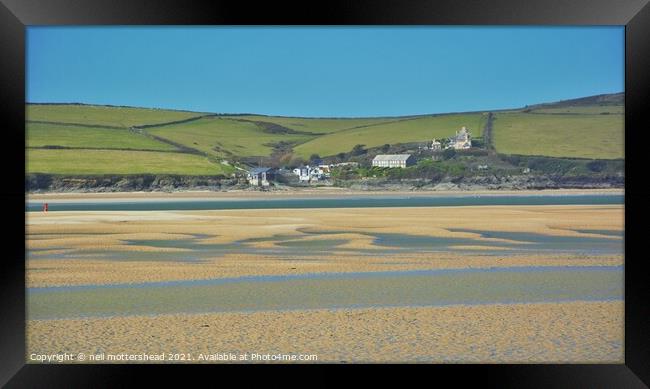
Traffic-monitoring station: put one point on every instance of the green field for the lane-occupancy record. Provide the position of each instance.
(421, 129)
(605, 109)
(87, 139)
(578, 136)
(317, 125)
(44, 135)
(98, 115)
(90, 162)
(224, 137)
(228, 136)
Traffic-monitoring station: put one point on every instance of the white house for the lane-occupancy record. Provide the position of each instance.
(436, 145)
(393, 160)
(298, 171)
(462, 140)
(302, 173)
(312, 173)
(260, 176)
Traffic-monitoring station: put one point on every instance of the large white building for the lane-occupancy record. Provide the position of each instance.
(462, 140)
(393, 160)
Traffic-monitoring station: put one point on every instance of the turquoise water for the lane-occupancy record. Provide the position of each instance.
(332, 291)
(345, 202)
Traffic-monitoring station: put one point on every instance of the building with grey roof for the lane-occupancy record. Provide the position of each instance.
(261, 176)
(393, 160)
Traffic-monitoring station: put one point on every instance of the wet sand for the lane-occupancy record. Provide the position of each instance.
(96, 232)
(332, 290)
(573, 332)
(57, 272)
(577, 332)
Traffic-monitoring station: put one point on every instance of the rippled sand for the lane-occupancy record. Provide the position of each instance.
(61, 232)
(574, 332)
(580, 332)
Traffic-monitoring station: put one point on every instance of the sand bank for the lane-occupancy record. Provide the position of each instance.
(84, 236)
(573, 332)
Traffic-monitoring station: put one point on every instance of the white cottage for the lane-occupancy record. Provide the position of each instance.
(261, 176)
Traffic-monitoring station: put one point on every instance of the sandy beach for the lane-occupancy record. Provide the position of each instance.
(573, 332)
(85, 235)
(326, 194)
(393, 318)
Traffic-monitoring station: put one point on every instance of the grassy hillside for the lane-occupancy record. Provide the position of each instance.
(85, 139)
(47, 135)
(560, 135)
(99, 115)
(80, 162)
(409, 130)
(612, 99)
(317, 125)
(225, 137)
(235, 135)
(80, 140)
(595, 109)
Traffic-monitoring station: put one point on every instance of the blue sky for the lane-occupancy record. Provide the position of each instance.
(323, 71)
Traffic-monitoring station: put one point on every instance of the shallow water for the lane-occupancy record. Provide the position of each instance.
(340, 290)
(297, 246)
(615, 233)
(345, 202)
(423, 242)
(555, 243)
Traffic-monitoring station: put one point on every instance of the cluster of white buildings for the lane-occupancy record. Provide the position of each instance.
(312, 173)
(319, 171)
(461, 141)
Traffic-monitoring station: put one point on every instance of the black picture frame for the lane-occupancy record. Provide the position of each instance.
(15, 15)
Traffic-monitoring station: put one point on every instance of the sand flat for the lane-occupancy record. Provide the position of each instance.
(568, 332)
(93, 271)
(65, 250)
(109, 232)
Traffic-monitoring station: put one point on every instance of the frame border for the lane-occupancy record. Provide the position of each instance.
(15, 15)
